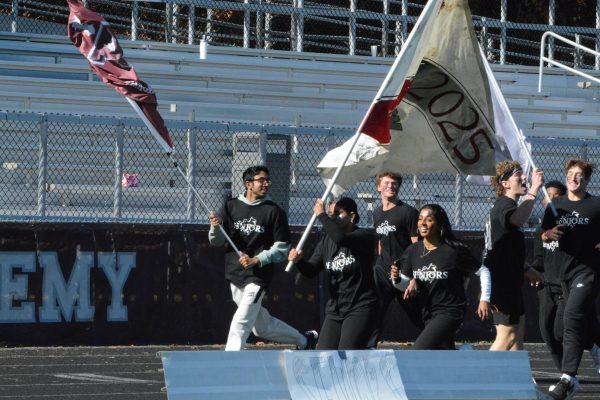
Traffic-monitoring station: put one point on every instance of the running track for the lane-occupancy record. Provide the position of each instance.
(133, 373)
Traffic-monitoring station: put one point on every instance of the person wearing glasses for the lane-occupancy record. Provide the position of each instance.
(259, 229)
(576, 229)
(505, 256)
(345, 253)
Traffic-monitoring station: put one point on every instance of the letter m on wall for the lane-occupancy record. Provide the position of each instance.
(68, 296)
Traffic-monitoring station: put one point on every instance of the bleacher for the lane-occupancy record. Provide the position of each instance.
(46, 74)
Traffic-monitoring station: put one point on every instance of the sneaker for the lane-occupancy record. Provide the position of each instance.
(311, 340)
(595, 353)
(564, 389)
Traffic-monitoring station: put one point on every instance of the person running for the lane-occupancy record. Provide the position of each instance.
(396, 227)
(437, 267)
(546, 260)
(505, 255)
(259, 229)
(577, 230)
(345, 253)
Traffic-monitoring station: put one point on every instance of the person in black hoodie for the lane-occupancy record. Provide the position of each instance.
(346, 253)
(436, 268)
(259, 229)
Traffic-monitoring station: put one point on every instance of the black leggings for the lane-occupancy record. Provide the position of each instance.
(438, 333)
(386, 292)
(351, 332)
(580, 292)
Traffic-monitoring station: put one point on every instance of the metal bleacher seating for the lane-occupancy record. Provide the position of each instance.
(232, 85)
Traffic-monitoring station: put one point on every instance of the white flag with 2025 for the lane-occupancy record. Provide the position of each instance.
(438, 110)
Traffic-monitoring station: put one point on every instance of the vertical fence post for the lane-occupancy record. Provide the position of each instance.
(175, 23)
(42, 167)
(293, 27)
(15, 16)
(299, 26)
(191, 23)
(168, 21)
(503, 14)
(268, 20)
(551, 22)
(352, 29)
(135, 19)
(118, 189)
(597, 63)
(583, 151)
(192, 138)
(401, 28)
(458, 200)
(209, 24)
(259, 26)
(577, 61)
(384, 28)
(262, 145)
(247, 24)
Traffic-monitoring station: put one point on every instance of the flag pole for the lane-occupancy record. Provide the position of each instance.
(406, 48)
(169, 151)
(530, 159)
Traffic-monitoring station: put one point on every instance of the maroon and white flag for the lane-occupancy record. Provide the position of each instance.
(438, 110)
(92, 35)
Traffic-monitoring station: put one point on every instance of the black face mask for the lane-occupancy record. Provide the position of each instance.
(343, 222)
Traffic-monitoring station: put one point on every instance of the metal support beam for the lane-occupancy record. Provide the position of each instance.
(352, 29)
(118, 188)
(503, 14)
(42, 167)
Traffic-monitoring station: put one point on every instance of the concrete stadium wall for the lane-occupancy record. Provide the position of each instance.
(86, 284)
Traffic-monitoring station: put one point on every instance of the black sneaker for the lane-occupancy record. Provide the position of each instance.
(311, 340)
(564, 389)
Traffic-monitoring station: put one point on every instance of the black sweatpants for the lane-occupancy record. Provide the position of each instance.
(386, 292)
(438, 333)
(580, 293)
(551, 313)
(551, 316)
(351, 332)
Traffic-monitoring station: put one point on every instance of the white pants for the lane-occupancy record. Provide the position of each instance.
(252, 316)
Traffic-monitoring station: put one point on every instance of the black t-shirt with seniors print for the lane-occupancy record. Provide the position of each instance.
(440, 276)
(581, 221)
(394, 229)
(347, 257)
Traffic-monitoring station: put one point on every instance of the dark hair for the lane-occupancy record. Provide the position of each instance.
(441, 217)
(557, 185)
(348, 205)
(251, 172)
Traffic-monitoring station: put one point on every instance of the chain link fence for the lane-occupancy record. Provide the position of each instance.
(352, 27)
(76, 169)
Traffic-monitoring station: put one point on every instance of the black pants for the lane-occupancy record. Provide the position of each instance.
(438, 333)
(580, 293)
(386, 292)
(551, 316)
(552, 306)
(351, 332)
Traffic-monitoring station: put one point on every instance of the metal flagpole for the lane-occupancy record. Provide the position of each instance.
(165, 146)
(530, 159)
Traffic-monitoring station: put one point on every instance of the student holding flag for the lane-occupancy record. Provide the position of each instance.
(437, 267)
(346, 253)
(506, 256)
(259, 228)
(577, 231)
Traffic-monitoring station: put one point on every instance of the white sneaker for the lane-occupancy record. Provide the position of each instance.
(595, 353)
